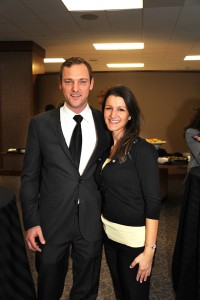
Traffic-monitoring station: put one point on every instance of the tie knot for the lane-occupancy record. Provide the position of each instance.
(78, 118)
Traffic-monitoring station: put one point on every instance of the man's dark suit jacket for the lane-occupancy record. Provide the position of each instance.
(51, 184)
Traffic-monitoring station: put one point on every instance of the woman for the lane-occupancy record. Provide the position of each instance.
(129, 181)
(192, 132)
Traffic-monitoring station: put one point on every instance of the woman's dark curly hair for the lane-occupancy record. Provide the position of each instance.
(132, 129)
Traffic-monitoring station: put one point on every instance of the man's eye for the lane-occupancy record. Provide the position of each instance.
(83, 81)
(107, 108)
(68, 82)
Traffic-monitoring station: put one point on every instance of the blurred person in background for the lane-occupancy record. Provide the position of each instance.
(192, 138)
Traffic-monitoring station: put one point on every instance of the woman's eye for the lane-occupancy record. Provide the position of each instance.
(107, 108)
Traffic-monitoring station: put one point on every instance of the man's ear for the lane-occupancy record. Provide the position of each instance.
(92, 83)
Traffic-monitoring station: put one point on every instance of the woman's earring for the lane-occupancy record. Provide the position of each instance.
(129, 118)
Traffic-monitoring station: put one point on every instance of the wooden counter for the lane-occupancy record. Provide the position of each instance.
(11, 163)
(169, 172)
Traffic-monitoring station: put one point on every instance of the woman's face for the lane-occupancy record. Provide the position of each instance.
(116, 115)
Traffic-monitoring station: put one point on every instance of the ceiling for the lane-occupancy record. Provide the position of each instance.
(170, 30)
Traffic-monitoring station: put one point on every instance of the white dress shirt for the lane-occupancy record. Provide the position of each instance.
(89, 137)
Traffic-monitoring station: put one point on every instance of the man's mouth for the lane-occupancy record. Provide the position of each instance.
(75, 95)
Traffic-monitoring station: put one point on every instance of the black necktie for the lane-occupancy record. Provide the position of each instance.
(76, 140)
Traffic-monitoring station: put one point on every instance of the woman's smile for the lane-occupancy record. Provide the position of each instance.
(116, 114)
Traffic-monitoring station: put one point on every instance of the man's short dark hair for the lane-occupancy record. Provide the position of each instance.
(75, 61)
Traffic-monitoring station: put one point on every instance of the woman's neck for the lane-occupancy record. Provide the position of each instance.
(117, 135)
(114, 147)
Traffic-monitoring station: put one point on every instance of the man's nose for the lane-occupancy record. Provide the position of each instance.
(75, 86)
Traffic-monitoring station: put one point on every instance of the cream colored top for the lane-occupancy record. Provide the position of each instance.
(127, 235)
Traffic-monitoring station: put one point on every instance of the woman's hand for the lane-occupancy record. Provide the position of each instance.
(144, 260)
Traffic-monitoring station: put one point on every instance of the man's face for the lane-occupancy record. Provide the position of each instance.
(76, 86)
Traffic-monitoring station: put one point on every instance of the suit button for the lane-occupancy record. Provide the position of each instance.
(80, 180)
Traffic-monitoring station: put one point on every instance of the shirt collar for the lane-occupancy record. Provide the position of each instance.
(86, 113)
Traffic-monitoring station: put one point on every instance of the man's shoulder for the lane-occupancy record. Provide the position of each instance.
(97, 114)
(46, 114)
(96, 111)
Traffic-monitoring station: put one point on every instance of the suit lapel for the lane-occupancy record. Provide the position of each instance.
(56, 126)
(103, 139)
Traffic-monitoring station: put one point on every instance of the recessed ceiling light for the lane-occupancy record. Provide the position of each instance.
(80, 5)
(119, 46)
(53, 60)
(130, 65)
(192, 57)
(89, 17)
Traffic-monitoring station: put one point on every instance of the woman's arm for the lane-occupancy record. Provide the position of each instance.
(151, 233)
(145, 259)
(148, 171)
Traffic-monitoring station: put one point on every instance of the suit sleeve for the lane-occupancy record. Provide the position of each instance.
(30, 179)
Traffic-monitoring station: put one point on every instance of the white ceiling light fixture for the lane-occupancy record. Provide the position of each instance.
(89, 5)
(53, 60)
(192, 57)
(119, 46)
(128, 65)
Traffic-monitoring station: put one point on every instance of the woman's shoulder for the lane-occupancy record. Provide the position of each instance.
(142, 146)
(141, 142)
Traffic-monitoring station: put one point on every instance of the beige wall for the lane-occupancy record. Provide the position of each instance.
(166, 99)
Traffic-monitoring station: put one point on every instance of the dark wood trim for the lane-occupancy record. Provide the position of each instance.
(22, 46)
(1, 159)
(10, 172)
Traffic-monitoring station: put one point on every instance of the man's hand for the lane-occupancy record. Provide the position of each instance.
(31, 235)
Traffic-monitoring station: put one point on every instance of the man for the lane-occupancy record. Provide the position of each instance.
(60, 201)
